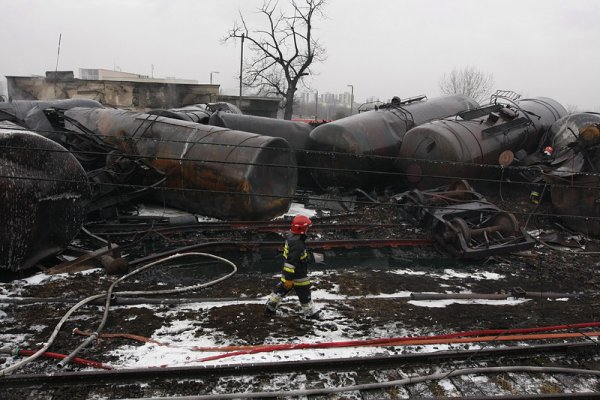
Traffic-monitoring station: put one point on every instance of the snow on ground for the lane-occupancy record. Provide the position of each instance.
(180, 339)
(451, 274)
(446, 302)
(297, 208)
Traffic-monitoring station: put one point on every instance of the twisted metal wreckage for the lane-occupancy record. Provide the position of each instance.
(65, 161)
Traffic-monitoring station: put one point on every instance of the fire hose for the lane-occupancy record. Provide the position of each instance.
(108, 299)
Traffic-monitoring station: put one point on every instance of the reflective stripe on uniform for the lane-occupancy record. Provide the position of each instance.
(286, 250)
(289, 268)
(304, 255)
(301, 282)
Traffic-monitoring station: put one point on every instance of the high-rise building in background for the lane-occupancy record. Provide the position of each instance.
(342, 99)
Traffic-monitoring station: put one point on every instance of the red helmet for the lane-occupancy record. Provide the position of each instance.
(300, 224)
(548, 150)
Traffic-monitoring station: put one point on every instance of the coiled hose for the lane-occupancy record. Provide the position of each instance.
(108, 296)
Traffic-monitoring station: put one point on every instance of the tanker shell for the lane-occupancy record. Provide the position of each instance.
(439, 152)
(295, 133)
(211, 171)
(44, 194)
(358, 151)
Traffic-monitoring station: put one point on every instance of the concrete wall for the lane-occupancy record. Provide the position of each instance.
(135, 95)
(120, 94)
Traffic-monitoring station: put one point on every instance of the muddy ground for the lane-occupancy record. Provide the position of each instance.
(349, 273)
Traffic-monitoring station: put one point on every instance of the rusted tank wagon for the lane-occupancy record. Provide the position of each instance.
(296, 134)
(357, 151)
(573, 179)
(212, 171)
(44, 192)
(439, 152)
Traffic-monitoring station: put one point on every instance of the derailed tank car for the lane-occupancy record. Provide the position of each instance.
(296, 133)
(357, 151)
(572, 177)
(30, 113)
(211, 171)
(439, 152)
(189, 113)
(44, 192)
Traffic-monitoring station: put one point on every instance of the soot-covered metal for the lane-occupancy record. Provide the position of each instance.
(357, 151)
(212, 171)
(572, 174)
(295, 133)
(438, 152)
(44, 193)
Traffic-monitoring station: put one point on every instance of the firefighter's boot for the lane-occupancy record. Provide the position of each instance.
(272, 304)
(310, 311)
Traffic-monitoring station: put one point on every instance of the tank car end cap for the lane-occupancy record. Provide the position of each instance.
(506, 158)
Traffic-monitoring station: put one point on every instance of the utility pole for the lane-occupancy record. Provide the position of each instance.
(241, 69)
(351, 97)
(56, 68)
(316, 104)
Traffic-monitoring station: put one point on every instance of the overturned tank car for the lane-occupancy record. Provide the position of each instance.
(358, 151)
(439, 152)
(572, 174)
(31, 113)
(44, 192)
(194, 113)
(296, 133)
(212, 171)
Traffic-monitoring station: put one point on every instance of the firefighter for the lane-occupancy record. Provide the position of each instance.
(295, 270)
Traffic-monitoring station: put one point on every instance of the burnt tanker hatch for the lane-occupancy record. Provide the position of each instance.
(212, 171)
(43, 198)
(438, 152)
(358, 151)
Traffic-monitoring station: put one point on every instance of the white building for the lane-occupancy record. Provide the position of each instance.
(94, 74)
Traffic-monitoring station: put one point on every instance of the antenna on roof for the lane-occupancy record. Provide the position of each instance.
(58, 53)
(56, 68)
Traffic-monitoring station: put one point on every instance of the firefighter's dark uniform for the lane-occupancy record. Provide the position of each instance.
(295, 268)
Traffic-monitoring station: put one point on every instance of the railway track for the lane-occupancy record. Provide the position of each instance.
(519, 372)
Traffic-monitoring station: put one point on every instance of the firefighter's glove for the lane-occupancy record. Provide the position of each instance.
(287, 284)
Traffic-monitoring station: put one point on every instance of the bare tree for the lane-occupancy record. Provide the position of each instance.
(468, 81)
(282, 53)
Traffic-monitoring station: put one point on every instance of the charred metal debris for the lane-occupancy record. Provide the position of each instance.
(66, 162)
(463, 222)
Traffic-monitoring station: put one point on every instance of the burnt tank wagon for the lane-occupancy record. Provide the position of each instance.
(358, 151)
(30, 113)
(189, 113)
(296, 134)
(573, 176)
(44, 193)
(436, 153)
(212, 171)
(567, 129)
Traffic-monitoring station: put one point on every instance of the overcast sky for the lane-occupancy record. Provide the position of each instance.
(382, 47)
